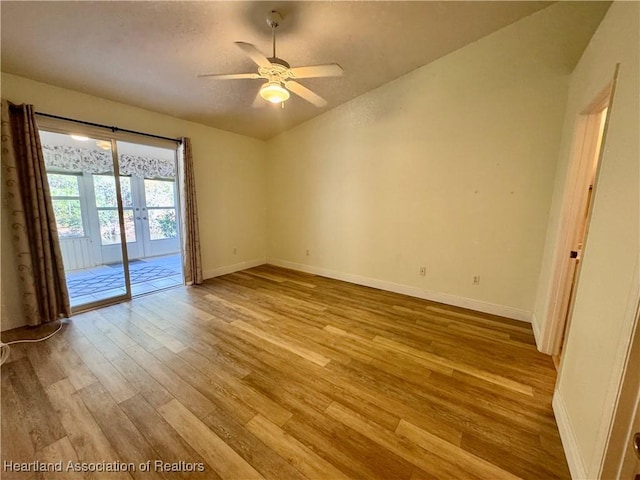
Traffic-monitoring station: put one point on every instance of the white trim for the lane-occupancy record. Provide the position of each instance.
(568, 438)
(446, 298)
(587, 148)
(236, 267)
(535, 326)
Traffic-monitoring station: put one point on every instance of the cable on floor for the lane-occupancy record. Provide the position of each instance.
(5, 346)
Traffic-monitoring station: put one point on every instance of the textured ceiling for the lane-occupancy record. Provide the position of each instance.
(148, 54)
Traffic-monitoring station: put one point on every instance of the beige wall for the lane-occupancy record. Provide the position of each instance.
(229, 170)
(608, 285)
(449, 167)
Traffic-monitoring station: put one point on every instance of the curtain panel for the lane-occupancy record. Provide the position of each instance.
(192, 263)
(33, 226)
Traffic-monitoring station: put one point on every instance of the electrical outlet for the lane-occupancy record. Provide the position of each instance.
(476, 280)
(423, 271)
(307, 252)
(235, 250)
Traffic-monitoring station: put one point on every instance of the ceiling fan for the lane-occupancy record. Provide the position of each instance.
(281, 78)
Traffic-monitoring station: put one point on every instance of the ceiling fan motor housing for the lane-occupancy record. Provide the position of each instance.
(279, 61)
(274, 19)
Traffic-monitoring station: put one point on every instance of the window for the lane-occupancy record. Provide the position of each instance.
(161, 208)
(67, 207)
(107, 206)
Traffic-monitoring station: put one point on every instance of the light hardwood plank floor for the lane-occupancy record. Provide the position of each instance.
(274, 374)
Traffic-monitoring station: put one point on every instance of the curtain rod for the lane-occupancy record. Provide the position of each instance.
(113, 129)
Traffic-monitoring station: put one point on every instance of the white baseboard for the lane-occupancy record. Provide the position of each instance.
(536, 329)
(445, 298)
(568, 437)
(236, 267)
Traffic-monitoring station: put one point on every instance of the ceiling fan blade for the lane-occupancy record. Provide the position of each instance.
(254, 54)
(305, 93)
(228, 76)
(330, 70)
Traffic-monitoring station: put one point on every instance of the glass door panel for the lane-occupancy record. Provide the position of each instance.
(82, 183)
(107, 207)
(161, 228)
(157, 260)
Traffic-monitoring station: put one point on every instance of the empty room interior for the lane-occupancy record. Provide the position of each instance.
(320, 240)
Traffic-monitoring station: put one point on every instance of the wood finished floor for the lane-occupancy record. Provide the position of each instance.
(275, 374)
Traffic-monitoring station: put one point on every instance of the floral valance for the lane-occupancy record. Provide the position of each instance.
(87, 160)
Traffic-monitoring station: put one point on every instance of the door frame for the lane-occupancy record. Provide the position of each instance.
(587, 147)
(98, 132)
(65, 127)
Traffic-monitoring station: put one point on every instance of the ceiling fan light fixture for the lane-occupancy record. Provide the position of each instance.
(274, 92)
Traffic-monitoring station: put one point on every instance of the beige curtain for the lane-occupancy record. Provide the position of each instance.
(33, 225)
(191, 260)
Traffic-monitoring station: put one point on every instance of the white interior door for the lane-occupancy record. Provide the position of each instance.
(585, 154)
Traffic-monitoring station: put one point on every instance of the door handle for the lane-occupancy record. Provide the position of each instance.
(144, 218)
(137, 218)
(636, 444)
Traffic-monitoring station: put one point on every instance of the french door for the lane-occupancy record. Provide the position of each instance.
(150, 212)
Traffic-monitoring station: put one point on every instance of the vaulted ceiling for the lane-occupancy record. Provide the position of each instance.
(148, 53)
